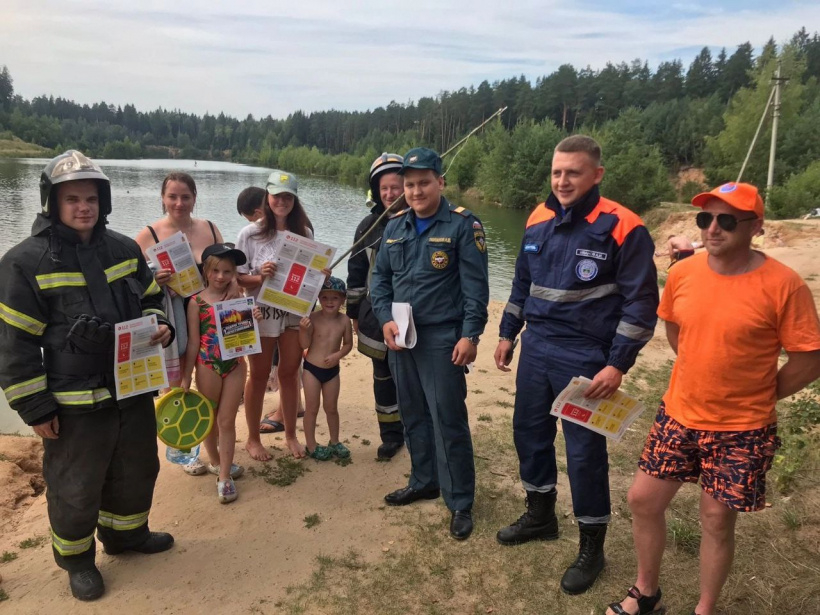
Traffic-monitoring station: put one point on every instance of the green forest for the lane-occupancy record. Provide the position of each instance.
(652, 124)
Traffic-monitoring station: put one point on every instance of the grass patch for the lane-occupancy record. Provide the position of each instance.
(365, 442)
(477, 392)
(684, 535)
(428, 573)
(8, 556)
(30, 543)
(3, 457)
(343, 461)
(3, 595)
(485, 417)
(506, 390)
(810, 278)
(285, 471)
(505, 404)
(312, 520)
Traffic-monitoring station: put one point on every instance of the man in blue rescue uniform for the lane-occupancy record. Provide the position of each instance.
(62, 290)
(434, 257)
(586, 286)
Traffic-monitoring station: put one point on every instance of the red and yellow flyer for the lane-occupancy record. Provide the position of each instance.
(609, 417)
(139, 366)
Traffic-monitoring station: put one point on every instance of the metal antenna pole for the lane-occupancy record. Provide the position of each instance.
(757, 134)
(775, 117)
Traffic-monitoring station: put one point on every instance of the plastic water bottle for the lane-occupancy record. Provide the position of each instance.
(183, 458)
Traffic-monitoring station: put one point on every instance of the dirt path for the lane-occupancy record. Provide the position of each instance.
(242, 557)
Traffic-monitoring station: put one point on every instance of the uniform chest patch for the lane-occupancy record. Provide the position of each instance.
(531, 247)
(439, 260)
(586, 270)
(601, 256)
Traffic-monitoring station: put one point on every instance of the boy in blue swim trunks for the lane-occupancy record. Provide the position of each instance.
(327, 336)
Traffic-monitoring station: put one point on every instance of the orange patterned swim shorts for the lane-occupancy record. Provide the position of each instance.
(731, 465)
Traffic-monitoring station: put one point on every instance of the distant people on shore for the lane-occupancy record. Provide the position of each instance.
(717, 423)
(283, 211)
(679, 247)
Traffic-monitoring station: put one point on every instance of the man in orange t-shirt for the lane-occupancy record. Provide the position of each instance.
(728, 314)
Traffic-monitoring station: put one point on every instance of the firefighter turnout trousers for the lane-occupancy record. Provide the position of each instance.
(100, 472)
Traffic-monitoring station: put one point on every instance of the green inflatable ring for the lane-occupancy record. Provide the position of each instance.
(184, 419)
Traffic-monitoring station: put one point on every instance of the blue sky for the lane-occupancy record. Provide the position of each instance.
(271, 57)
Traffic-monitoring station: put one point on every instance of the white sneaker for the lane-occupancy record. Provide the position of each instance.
(236, 470)
(195, 468)
(226, 491)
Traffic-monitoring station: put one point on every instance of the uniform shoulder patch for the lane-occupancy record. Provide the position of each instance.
(401, 213)
(462, 211)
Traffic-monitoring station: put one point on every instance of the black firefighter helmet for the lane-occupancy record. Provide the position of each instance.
(70, 166)
(386, 163)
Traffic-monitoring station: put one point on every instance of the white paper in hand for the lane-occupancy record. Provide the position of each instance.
(403, 317)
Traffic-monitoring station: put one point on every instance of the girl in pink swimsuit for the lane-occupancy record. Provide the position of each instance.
(220, 380)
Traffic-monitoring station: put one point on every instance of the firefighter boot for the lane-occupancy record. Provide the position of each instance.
(538, 523)
(155, 543)
(580, 576)
(86, 584)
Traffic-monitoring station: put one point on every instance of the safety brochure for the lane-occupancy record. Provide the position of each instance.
(236, 328)
(299, 278)
(175, 254)
(403, 317)
(609, 417)
(139, 366)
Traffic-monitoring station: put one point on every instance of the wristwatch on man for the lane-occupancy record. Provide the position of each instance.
(474, 340)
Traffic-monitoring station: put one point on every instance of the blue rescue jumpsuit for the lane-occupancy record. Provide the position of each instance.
(443, 274)
(586, 286)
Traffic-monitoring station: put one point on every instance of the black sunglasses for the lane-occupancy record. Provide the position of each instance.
(725, 221)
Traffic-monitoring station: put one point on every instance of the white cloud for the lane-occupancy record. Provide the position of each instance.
(275, 57)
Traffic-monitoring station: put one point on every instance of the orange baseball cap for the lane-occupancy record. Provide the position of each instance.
(744, 197)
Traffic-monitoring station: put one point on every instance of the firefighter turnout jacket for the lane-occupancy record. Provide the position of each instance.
(46, 282)
(585, 277)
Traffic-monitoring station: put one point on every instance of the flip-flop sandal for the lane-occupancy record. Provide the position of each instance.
(268, 425)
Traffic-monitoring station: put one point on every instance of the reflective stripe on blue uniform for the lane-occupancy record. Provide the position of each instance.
(586, 286)
(443, 274)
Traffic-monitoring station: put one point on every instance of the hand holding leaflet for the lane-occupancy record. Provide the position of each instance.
(403, 317)
(609, 417)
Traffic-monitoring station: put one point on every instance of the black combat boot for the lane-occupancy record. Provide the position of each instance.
(585, 569)
(155, 543)
(86, 584)
(538, 523)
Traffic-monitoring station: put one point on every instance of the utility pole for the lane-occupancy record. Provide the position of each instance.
(778, 80)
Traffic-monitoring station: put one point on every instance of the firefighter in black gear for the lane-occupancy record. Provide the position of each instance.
(385, 187)
(61, 292)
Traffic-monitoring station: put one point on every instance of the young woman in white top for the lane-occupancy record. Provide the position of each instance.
(284, 212)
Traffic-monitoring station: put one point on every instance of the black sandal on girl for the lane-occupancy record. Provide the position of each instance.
(647, 605)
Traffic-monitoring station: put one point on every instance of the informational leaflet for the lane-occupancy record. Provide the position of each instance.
(299, 278)
(403, 317)
(236, 328)
(609, 417)
(139, 365)
(175, 254)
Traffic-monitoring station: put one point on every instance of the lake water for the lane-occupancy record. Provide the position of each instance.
(335, 210)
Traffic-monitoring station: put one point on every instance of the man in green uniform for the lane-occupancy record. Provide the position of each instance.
(62, 290)
(434, 257)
